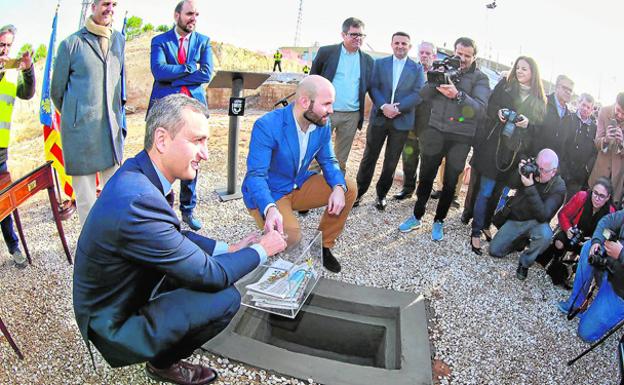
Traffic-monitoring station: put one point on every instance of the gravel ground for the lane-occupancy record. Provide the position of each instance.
(486, 327)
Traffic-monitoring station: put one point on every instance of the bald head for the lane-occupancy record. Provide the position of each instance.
(548, 158)
(314, 100)
(548, 162)
(312, 85)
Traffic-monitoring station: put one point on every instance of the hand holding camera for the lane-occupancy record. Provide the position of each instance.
(600, 254)
(512, 120)
(528, 170)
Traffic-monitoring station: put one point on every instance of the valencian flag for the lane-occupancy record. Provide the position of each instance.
(50, 118)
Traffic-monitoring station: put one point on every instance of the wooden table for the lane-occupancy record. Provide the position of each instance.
(12, 195)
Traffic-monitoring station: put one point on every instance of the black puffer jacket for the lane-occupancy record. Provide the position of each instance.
(459, 117)
(541, 201)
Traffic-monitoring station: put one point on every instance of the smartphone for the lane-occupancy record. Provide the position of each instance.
(12, 63)
(613, 123)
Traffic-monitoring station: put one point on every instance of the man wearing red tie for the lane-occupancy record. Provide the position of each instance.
(181, 62)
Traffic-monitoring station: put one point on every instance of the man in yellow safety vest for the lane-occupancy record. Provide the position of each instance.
(17, 79)
(277, 60)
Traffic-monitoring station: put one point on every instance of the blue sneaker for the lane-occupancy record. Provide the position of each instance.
(194, 223)
(563, 307)
(437, 234)
(410, 224)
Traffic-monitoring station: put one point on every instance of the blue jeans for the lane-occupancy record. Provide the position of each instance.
(539, 239)
(605, 311)
(8, 233)
(188, 198)
(489, 192)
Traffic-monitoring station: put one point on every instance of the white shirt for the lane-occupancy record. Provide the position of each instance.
(186, 40)
(397, 69)
(304, 138)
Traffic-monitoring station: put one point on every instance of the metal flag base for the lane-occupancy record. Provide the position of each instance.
(225, 196)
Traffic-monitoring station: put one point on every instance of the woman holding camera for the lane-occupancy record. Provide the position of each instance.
(577, 220)
(515, 109)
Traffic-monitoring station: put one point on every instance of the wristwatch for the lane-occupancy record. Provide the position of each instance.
(461, 96)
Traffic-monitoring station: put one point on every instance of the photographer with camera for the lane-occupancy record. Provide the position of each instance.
(456, 108)
(577, 220)
(609, 142)
(530, 210)
(602, 259)
(515, 112)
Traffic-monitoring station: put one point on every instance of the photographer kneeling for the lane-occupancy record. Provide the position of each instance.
(577, 221)
(603, 259)
(531, 210)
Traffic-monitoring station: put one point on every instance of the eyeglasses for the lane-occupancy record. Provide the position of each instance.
(599, 195)
(355, 35)
(546, 171)
(5, 45)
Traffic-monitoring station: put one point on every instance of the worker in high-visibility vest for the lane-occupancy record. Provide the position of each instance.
(17, 79)
(277, 60)
(306, 70)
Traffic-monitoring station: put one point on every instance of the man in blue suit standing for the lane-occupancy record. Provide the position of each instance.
(181, 62)
(283, 143)
(144, 290)
(395, 88)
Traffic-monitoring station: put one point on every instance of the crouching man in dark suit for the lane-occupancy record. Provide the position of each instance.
(144, 290)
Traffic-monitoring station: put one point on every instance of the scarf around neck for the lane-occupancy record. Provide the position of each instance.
(103, 33)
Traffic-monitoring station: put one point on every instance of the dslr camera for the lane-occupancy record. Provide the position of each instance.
(577, 236)
(530, 167)
(511, 118)
(600, 259)
(444, 71)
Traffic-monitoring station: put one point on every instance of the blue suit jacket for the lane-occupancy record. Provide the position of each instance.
(130, 241)
(407, 93)
(273, 160)
(170, 76)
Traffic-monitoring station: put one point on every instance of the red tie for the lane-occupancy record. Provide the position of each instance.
(182, 60)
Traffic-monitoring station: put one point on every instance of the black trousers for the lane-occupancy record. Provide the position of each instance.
(376, 135)
(277, 64)
(410, 156)
(433, 147)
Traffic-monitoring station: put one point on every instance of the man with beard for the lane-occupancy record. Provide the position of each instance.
(283, 143)
(181, 62)
(86, 88)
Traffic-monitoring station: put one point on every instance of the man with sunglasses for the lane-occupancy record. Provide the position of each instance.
(555, 131)
(349, 69)
(537, 199)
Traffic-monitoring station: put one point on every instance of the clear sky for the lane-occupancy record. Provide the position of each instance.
(577, 37)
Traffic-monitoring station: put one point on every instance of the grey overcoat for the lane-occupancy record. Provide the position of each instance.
(86, 88)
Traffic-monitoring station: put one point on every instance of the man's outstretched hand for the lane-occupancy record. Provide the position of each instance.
(272, 242)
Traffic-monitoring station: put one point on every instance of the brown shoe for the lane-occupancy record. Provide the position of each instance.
(182, 373)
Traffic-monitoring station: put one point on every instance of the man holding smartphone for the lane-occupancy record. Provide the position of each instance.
(609, 142)
(17, 80)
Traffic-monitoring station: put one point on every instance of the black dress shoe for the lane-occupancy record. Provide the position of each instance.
(522, 272)
(466, 216)
(403, 194)
(303, 212)
(380, 203)
(435, 194)
(357, 201)
(329, 261)
(476, 250)
(183, 373)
